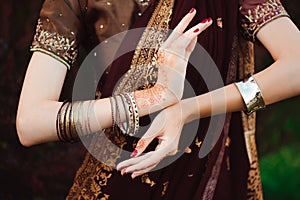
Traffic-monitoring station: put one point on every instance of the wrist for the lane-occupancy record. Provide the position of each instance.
(164, 96)
(189, 110)
(196, 107)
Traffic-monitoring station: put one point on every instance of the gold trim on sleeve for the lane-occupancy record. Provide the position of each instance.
(55, 45)
(260, 15)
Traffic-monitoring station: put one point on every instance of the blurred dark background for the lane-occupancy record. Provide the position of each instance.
(46, 171)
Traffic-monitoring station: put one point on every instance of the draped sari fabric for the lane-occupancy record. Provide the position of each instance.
(229, 171)
(190, 177)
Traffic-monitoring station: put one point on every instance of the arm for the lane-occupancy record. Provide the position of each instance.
(277, 82)
(282, 38)
(38, 105)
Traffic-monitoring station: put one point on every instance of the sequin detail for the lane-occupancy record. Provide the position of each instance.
(257, 17)
(57, 46)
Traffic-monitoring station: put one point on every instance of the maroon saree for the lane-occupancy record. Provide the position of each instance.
(225, 172)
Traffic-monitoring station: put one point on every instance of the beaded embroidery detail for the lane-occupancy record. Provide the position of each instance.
(259, 16)
(59, 47)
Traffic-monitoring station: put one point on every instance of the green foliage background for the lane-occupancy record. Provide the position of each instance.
(279, 147)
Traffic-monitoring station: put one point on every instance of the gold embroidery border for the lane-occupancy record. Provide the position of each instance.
(61, 48)
(49, 53)
(246, 68)
(259, 12)
(144, 59)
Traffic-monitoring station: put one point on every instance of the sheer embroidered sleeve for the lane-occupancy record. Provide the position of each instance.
(57, 30)
(257, 13)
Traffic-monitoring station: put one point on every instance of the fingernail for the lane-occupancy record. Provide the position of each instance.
(209, 19)
(203, 21)
(134, 153)
(196, 30)
(123, 172)
(192, 10)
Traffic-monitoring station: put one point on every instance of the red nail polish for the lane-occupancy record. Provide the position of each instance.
(196, 30)
(192, 10)
(203, 21)
(209, 19)
(134, 153)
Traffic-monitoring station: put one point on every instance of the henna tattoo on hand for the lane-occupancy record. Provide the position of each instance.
(160, 57)
(140, 144)
(163, 88)
(150, 97)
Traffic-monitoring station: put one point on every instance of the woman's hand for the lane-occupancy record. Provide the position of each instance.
(172, 61)
(174, 54)
(166, 127)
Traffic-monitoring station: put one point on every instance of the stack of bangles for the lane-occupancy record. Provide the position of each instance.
(73, 118)
(129, 108)
(251, 94)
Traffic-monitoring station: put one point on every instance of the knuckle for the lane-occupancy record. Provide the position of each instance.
(173, 150)
(172, 153)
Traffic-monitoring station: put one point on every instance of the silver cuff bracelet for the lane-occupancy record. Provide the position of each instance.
(251, 94)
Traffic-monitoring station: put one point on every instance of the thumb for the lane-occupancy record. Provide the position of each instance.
(143, 143)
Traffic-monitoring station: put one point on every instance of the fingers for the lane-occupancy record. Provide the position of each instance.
(141, 172)
(184, 44)
(147, 163)
(140, 165)
(141, 146)
(132, 161)
(185, 21)
(147, 138)
(199, 28)
(182, 25)
(187, 39)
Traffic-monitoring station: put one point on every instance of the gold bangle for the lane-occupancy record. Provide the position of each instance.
(66, 123)
(59, 123)
(73, 133)
(135, 114)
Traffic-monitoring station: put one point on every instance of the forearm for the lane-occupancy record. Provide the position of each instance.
(147, 101)
(38, 104)
(278, 82)
(38, 125)
(36, 120)
(226, 99)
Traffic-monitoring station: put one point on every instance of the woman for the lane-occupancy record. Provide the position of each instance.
(220, 175)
